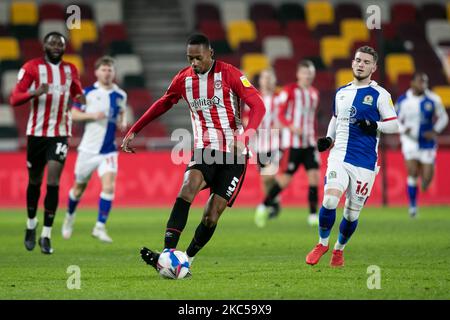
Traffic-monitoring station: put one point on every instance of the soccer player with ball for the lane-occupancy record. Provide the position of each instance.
(362, 110)
(212, 90)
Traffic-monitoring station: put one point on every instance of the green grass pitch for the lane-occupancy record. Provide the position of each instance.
(240, 262)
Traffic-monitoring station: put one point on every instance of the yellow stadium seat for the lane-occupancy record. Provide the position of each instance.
(354, 30)
(86, 33)
(318, 12)
(398, 63)
(343, 76)
(241, 30)
(76, 60)
(9, 48)
(444, 93)
(334, 47)
(254, 63)
(24, 13)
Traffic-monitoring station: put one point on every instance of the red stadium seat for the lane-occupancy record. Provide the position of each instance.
(233, 59)
(206, 12)
(285, 70)
(294, 29)
(139, 99)
(403, 83)
(347, 10)
(213, 29)
(51, 11)
(113, 32)
(265, 28)
(403, 13)
(324, 81)
(305, 47)
(30, 49)
(262, 11)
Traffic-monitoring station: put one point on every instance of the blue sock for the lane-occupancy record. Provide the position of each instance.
(346, 229)
(104, 207)
(72, 203)
(326, 221)
(412, 195)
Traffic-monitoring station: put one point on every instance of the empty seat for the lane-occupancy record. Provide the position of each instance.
(343, 76)
(120, 47)
(267, 28)
(398, 63)
(233, 59)
(76, 60)
(333, 47)
(221, 47)
(233, 11)
(206, 12)
(286, 70)
(51, 11)
(253, 63)
(212, 29)
(8, 82)
(318, 12)
(305, 47)
(4, 13)
(6, 116)
(113, 32)
(127, 64)
(30, 48)
(277, 47)
(324, 80)
(262, 11)
(24, 13)
(86, 33)
(109, 11)
(444, 93)
(9, 48)
(291, 11)
(430, 11)
(238, 31)
(85, 10)
(296, 28)
(47, 26)
(437, 30)
(139, 99)
(347, 10)
(133, 81)
(354, 30)
(24, 31)
(403, 13)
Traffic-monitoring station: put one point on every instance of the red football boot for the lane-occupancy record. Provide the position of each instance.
(337, 259)
(314, 256)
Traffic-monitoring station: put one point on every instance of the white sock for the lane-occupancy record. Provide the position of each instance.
(324, 241)
(31, 223)
(46, 232)
(100, 225)
(339, 246)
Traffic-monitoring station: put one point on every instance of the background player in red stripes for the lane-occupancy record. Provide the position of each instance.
(298, 106)
(48, 82)
(213, 90)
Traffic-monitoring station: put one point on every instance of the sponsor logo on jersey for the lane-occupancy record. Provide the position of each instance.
(205, 104)
(245, 82)
(368, 100)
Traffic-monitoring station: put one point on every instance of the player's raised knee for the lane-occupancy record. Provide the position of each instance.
(330, 202)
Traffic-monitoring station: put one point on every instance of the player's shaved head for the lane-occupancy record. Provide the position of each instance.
(199, 53)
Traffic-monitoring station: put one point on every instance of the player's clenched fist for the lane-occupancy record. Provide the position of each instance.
(324, 143)
(126, 143)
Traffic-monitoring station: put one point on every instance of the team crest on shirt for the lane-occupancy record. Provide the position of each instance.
(332, 175)
(217, 84)
(428, 106)
(352, 111)
(368, 100)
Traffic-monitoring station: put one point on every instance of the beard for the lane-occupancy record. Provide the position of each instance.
(53, 58)
(360, 77)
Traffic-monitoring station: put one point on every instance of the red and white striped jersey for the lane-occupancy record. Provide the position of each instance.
(49, 114)
(298, 108)
(214, 103)
(268, 135)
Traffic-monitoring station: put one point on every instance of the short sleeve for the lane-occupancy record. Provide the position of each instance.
(386, 107)
(25, 77)
(174, 93)
(240, 84)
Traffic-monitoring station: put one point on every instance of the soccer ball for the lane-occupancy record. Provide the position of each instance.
(173, 264)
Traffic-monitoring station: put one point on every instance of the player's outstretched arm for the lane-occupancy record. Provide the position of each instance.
(81, 116)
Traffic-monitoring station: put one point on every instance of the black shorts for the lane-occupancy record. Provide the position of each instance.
(223, 172)
(42, 149)
(292, 158)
